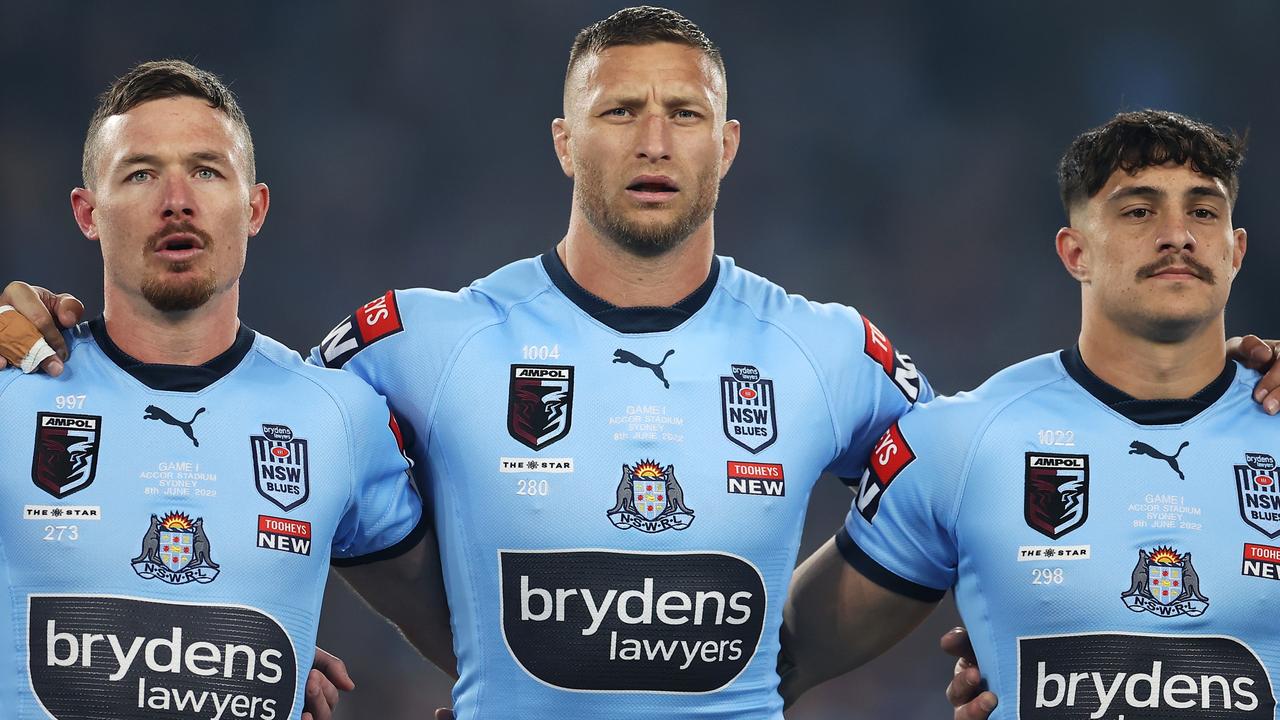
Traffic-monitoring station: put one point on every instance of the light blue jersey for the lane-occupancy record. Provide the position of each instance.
(166, 531)
(619, 493)
(1112, 558)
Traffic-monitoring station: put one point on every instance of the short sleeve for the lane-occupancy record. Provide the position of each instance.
(900, 531)
(384, 516)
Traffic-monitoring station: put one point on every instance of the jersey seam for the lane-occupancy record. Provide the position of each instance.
(813, 365)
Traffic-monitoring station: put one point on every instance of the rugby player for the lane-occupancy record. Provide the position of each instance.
(190, 479)
(677, 352)
(1105, 513)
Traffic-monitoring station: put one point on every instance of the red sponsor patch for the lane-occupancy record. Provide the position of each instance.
(890, 455)
(769, 471)
(878, 347)
(378, 318)
(284, 526)
(1262, 553)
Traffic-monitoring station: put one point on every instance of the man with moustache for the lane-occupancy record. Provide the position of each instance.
(1103, 513)
(190, 479)
(573, 411)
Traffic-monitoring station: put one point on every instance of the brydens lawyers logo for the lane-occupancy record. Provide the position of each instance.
(281, 466)
(1164, 583)
(377, 319)
(175, 549)
(291, 536)
(1057, 493)
(65, 458)
(747, 408)
(650, 499)
(540, 404)
(890, 456)
(1259, 494)
(101, 657)
(748, 478)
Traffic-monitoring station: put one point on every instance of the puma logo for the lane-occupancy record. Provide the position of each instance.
(1137, 447)
(623, 356)
(155, 413)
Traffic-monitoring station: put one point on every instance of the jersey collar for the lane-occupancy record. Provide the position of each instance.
(175, 378)
(629, 319)
(1146, 412)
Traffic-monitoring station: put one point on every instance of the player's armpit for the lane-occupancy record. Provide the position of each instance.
(1261, 355)
(836, 619)
(408, 590)
(327, 677)
(968, 700)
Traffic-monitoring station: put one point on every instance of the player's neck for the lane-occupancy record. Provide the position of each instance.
(1150, 370)
(186, 338)
(625, 280)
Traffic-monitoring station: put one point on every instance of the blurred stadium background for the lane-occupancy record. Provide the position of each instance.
(898, 157)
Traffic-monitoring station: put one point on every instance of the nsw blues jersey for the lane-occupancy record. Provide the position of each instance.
(619, 493)
(1112, 558)
(166, 532)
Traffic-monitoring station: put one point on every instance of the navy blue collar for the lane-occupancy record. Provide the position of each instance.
(1146, 412)
(630, 319)
(175, 378)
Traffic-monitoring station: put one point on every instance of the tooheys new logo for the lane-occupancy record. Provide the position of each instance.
(116, 658)
(621, 621)
(1108, 676)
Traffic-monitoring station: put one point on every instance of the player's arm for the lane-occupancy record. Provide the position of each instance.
(408, 590)
(836, 619)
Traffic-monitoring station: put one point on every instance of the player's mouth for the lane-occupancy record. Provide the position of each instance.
(179, 247)
(652, 188)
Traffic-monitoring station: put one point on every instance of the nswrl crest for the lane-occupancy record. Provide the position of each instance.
(650, 499)
(280, 466)
(747, 408)
(1164, 583)
(175, 549)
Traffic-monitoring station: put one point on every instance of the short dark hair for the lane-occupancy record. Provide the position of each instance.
(156, 80)
(1131, 141)
(641, 25)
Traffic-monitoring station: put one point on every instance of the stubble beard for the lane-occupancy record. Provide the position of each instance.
(178, 296)
(646, 240)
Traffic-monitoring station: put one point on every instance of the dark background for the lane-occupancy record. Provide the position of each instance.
(898, 157)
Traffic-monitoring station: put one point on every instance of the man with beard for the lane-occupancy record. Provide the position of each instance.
(207, 543)
(619, 437)
(1104, 514)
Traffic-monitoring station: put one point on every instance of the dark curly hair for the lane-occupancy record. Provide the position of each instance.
(1131, 141)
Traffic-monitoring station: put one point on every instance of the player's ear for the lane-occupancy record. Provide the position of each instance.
(732, 137)
(82, 204)
(1241, 243)
(1073, 251)
(259, 201)
(560, 139)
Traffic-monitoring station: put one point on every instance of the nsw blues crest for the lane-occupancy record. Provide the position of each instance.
(650, 499)
(540, 404)
(280, 466)
(747, 408)
(65, 458)
(1258, 492)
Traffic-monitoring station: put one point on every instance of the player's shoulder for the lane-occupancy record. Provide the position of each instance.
(291, 374)
(969, 412)
(424, 321)
(808, 321)
(80, 343)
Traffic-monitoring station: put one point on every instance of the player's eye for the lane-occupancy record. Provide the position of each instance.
(1204, 214)
(206, 174)
(1139, 213)
(618, 112)
(139, 176)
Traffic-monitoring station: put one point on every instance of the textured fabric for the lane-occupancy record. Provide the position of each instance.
(619, 512)
(1104, 566)
(165, 550)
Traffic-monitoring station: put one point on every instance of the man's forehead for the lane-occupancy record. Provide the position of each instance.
(168, 120)
(1170, 177)
(620, 67)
